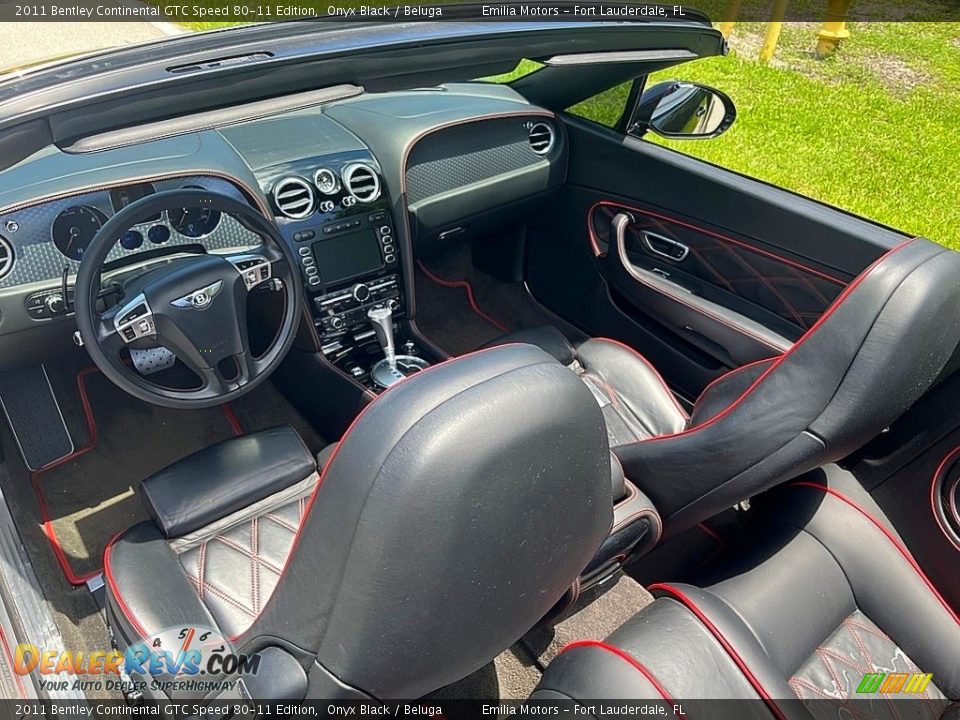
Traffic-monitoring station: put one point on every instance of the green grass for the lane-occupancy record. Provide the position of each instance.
(873, 130)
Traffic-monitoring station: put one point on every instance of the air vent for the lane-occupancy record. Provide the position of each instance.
(541, 138)
(6, 257)
(362, 182)
(293, 197)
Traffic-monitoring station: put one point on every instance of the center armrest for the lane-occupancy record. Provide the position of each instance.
(226, 477)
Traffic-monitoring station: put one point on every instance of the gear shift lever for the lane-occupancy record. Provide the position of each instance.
(393, 368)
(382, 320)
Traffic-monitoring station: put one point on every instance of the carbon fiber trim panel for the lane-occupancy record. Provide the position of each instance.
(464, 154)
(38, 259)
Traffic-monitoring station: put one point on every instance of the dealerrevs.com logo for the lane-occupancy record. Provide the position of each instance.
(189, 658)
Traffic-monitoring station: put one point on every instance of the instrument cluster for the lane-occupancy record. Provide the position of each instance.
(75, 226)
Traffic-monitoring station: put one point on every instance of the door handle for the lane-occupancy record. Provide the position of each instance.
(664, 246)
(618, 233)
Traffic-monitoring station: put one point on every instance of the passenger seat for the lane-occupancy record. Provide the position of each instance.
(831, 594)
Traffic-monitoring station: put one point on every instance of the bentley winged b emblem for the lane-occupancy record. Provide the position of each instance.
(201, 298)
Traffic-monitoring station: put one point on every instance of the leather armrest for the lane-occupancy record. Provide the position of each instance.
(224, 478)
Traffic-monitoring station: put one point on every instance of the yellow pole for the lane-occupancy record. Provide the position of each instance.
(773, 31)
(733, 9)
(834, 29)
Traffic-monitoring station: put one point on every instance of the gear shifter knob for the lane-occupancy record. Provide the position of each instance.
(382, 320)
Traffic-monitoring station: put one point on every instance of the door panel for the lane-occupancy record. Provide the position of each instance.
(760, 265)
(680, 305)
(782, 293)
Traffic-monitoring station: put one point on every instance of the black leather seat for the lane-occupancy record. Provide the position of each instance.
(439, 504)
(871, 355)
(636, 524)
(830, 595)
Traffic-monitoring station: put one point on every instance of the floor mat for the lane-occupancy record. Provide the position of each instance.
(595, 615)
(88, 497)
(461, 308)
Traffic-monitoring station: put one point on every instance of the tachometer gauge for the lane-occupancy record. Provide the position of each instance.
(326, 181)
(75, 228)
(194, 222)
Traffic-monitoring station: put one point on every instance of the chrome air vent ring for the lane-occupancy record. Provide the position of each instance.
(541, 137)
(361, 181)
(6, 257)
(293, 197)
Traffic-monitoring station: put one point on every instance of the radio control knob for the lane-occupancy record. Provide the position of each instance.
(336, 322)
(393, 304)
(54, 303)
(361, 293)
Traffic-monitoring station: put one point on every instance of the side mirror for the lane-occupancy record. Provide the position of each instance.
(682, 110)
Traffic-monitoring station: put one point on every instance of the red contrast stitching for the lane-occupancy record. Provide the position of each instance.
(778, 361)
(734, 655)
(901, 548)
(92, 439)
(718, 236)
(470, 297)
(624, 655)
(726, 375)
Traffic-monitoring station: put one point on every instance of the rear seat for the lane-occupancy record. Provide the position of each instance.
(830, 596)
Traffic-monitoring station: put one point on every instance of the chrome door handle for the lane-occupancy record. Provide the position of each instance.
(673, 250)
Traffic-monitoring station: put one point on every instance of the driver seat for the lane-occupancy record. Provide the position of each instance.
(476, 490)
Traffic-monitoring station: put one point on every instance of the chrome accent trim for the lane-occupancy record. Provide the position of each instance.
(142, 325)
(284, 186)
(539, 128)
(253, 274)
(6, 257)
(348, 173)
(25, 615)
(645, 237)
(199, 299)
(332, 177)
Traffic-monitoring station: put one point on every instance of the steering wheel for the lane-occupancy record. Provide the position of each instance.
(194, 306)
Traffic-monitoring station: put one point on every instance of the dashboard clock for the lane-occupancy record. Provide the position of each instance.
(326, 181)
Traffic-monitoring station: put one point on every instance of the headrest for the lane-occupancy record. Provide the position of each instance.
(456, 511)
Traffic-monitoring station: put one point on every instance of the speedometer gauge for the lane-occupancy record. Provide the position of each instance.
(194, 222)
(75, 228)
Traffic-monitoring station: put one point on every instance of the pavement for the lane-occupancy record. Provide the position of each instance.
(22, 43)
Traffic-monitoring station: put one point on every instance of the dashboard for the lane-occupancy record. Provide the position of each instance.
(353, 186)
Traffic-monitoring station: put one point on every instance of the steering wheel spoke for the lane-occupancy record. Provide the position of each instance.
(109, 339)
(133, 320)
(256, 266)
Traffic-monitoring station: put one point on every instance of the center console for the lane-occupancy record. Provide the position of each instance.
(332, 211)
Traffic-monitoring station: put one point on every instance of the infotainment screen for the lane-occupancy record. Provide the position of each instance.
(347, 256)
